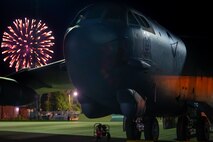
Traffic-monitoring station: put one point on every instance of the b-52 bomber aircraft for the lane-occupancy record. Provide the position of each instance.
(122, 62)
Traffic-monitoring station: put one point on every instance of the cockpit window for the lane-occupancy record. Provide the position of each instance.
(142, 21)
(131, 19)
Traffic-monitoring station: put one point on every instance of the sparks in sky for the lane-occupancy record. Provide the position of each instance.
(27, 43)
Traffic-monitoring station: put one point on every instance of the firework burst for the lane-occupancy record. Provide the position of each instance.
(27, 43)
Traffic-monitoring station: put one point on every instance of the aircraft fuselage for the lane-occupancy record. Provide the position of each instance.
(107, 54)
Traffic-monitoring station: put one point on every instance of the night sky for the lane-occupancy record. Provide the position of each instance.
(190, 20)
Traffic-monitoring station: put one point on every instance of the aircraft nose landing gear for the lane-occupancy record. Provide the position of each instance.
(139, 124)
(130, 126)
(147, 124)
(151, 128)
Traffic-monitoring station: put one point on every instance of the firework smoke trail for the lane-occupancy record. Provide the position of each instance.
(27, 43)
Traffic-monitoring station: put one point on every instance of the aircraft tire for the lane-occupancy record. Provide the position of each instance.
(132, 132)
(108, 136)
(151, 129)
(182, 130)
(202, 129)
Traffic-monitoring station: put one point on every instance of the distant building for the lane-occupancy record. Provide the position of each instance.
(12, 112)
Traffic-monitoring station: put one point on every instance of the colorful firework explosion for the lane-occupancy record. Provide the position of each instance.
(27, 43)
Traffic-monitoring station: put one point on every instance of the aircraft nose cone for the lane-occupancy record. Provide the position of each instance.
(89, 54)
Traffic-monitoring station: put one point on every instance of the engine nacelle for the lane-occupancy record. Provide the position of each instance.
(12, 93)
(92, 109)
(131, 103)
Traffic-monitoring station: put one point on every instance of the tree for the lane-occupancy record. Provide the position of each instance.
(61, 101)
(45, 102)
(55, 101)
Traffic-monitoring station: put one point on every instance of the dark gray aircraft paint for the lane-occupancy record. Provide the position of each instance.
(122, 62)
(111, 48)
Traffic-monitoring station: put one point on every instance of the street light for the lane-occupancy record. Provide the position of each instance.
(75, 93)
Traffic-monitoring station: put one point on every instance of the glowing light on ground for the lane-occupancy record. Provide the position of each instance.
(17, 109)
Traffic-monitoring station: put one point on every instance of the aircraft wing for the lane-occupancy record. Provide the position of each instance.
(49, 78)
(13, 93)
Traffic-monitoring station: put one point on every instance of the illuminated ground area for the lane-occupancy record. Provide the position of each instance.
(67, 131)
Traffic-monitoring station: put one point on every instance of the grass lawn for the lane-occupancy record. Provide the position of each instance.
(82, 127)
